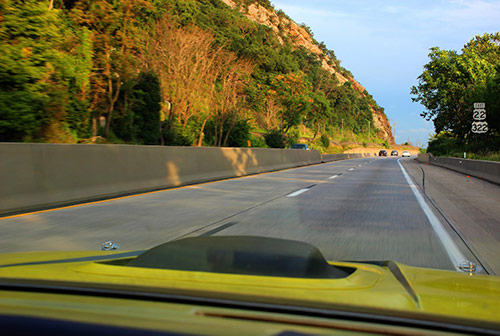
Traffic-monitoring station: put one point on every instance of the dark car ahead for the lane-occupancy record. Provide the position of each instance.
(394, 153)
(383, 152)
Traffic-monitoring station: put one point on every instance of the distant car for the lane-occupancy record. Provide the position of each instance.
(300, 146)
(406, 153)
(394, 153)
(383, 152)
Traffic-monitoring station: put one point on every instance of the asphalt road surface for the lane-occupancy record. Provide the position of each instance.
(363, 209)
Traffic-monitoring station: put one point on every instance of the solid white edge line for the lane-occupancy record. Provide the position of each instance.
(453, 252)
(298, 192)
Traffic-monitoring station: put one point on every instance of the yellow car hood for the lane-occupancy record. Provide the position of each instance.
(387, 288)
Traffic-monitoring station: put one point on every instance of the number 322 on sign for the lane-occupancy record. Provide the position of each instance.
(479, 127)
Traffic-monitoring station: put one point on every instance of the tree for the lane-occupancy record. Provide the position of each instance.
(140, 122)
(185, 61)
(199, 78)
(292, 91)
(35, 70)
(319, 113)
(229, 98)
(114, 32)
(451, 82)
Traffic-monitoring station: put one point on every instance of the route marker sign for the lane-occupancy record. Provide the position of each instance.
(479, 114)
(479, 127)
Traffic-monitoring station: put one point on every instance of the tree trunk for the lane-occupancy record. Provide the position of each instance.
(315, 133)
(94, 125)
(200, 137)
(113, 98)
(226, 138)
(51, 4)
(221, 133)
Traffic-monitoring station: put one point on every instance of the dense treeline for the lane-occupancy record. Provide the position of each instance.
(171, 72)
(448, 88)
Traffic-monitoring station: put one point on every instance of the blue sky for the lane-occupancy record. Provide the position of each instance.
(385, 44)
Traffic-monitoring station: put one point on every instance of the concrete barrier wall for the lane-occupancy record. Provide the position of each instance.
(423, 158)
(487, 170)
(337, 157)
(34, 176)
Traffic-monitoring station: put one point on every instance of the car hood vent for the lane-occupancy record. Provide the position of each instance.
(248, 255)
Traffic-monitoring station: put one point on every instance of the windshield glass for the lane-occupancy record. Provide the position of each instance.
(138, 123)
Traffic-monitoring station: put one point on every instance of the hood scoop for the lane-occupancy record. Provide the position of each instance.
(245, 255)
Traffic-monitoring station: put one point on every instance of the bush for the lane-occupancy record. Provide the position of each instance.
(276, 139)
(325, 141)
(258, 142)
(175, 135)
(444, 145)
(238, 137)
(240, 134)
(292, 137)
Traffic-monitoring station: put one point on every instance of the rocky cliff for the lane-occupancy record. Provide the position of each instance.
(300, 37)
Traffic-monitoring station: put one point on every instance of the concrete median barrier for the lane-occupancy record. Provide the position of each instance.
(423, 158)
(337, 157)
(35, 176)
(486, 170)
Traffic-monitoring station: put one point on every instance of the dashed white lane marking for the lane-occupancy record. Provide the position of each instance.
(453, 252)
(350, 169)
(332, 177)
(298, 192)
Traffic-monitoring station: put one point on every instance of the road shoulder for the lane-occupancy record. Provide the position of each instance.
(471, 205)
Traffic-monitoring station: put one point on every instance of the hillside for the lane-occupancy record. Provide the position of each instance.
(300, 37)
(174, 72)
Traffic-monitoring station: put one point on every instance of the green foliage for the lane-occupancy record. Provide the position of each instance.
(174, 134)
(276, 139)
(452, 82)
(63, 70)
(258, 142)
(264, 3)
(292, 137)
(140, 123)
(33, 79)
(325, 141)
(490, 156)
(239, 133)
(445, 144)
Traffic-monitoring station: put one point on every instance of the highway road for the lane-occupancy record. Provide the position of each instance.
(363, 209)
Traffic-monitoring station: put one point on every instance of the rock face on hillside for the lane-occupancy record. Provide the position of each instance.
(301, 38)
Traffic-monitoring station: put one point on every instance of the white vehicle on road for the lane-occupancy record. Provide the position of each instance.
(406, 153)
